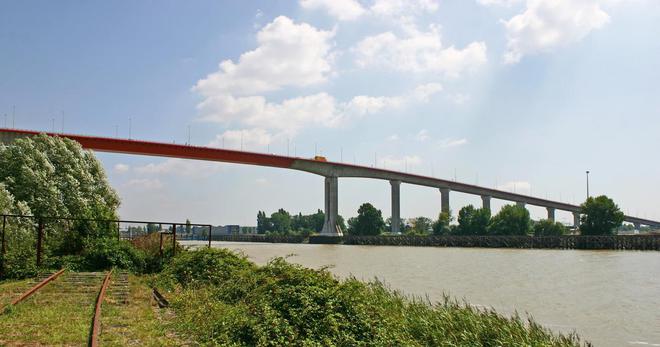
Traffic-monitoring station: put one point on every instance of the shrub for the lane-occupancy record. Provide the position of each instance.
(220, 298)
(511, 220)
(105, 253)
(205, 266)
(546, 227)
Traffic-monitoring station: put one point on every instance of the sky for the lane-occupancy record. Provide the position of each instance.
(520, 95)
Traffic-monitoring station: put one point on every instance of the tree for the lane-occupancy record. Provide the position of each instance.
(441, 225)
(600, 216)
(473, 221)
(546, 227)
(511, 220)
(188, 227)
(55, 177)
(421, 225)
(152, 228)
(281, 221)
(388, 224)
(369, 221)
(263, 223)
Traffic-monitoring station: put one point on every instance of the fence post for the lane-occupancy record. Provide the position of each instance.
(40, 237)
(210, 229)
(161, 244)
(3, 247)
(173, 239)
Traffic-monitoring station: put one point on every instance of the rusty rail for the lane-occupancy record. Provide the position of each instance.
(40, 285)
(96, 322)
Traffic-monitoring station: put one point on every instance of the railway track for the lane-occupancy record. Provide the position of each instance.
(59, 292)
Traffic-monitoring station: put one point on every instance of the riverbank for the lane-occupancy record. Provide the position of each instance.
(608, 297)
(611, 242)
(222, 298)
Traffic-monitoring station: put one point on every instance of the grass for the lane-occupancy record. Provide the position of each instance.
(11, 289)
(220, 298)
(55, 315)
(61, 314)
(138, 323)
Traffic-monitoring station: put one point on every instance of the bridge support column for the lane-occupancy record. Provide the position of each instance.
(576, 219)
(331, 206)
(551, 213)
(396, 206)
(485, 202)
(637, 226)
(444, 200)
(520, 204)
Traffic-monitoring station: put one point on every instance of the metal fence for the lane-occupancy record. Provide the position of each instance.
(18, 226)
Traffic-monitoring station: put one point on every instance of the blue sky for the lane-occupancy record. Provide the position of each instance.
(515, 94)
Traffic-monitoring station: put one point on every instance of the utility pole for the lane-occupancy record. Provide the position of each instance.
(188, 134)
(587, 184)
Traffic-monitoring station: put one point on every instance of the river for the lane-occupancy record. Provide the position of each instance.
(611, 298)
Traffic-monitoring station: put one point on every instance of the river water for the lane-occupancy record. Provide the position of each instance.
(611, 298)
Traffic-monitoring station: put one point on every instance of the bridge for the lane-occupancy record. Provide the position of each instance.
(332, 171)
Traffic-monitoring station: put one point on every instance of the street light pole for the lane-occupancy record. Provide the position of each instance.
(587, 184)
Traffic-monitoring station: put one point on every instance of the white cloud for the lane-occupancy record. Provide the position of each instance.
(345, 10)
(121, 168)
(245, 138)
(181, 167)
(288, 54)
(451, 142)
(548, 24)
(459, 98)
(516, 186)
(419, 51)
(507, 3)
(423, 135)
(425, 91)
(145, 184)
(340, 9)
(400, 163)
(394, 8)
(363, 105)
(291, 115)
(393, 138)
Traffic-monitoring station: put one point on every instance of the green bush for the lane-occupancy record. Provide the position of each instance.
(546, 227)
(220, 298)
(206, 266)
(105, 253)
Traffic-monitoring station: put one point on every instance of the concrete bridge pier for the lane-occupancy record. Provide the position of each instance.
(444, 199)
(396, 206)
(485, 202)
(520, 204)
(551, 213)
(637, 226)
(331, 206)
(576, 219)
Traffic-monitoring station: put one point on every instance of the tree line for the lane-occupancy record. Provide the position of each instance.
(599, 216)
